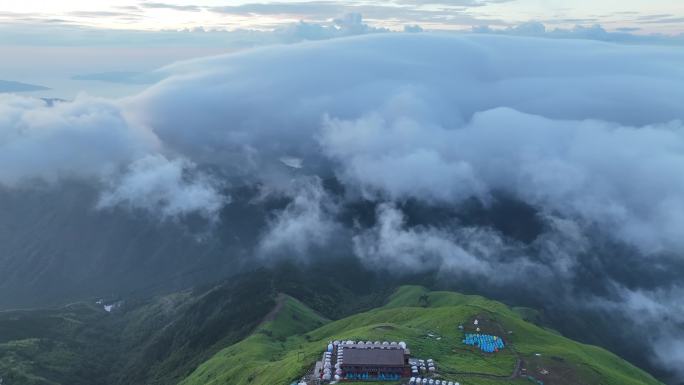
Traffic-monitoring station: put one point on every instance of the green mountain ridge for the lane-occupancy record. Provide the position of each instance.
(157, 341)
(428, 322)
(270, 329)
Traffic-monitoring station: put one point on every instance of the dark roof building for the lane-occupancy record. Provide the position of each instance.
(375, 364)
(374, 357)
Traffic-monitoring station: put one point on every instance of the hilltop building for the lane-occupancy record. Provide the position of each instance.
(365, 361)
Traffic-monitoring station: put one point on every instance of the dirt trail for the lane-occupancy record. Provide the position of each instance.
(280, 301)
(513, 375)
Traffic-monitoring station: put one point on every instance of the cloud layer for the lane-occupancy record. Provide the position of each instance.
(91, 139)
(556, 124)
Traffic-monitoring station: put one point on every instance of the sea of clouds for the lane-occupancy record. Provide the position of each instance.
(588, 133)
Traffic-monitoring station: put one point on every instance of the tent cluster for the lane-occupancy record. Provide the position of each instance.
(421, 366)
(486, 343)
(331, 372)
(425, 381)
(366, 345)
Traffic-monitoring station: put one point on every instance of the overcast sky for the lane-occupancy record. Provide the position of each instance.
(642, 16)
(61, 44)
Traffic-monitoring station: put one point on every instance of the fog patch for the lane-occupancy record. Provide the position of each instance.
(307, 222)
(171, 188)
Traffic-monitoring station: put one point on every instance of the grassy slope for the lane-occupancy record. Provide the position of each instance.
(40, 347)
(285, 347)
(158, 341)
(166, 339)
(161, 340)
(268, 355)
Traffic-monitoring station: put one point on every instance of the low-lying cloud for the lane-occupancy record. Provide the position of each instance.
(392, 243)
(171, 188)
(83, 138)
(91, 139)
(305, 223)
(575, 168)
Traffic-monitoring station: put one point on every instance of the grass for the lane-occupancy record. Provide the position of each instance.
(287, 346)
(274, 352)
(157, 341)
(36, 347)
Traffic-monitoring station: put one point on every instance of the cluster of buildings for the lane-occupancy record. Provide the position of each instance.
(388, 361)
(364, 361)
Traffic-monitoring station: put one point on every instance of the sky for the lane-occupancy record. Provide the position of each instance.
(648, 16)
(98, 47)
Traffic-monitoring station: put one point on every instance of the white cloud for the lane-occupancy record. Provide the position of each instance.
(79, 139)
(390, 245)
(591, 31)
(91, 139)
(305, 223)
(572, 167)
(661, 312)
(431, 117)
(172, 188)
(401, 159)
(440, 117)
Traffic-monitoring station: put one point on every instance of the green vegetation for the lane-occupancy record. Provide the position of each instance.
(157, 341)
(286, 346)
(262, 328)
(41, 347)
(269, 355)
(161, 340)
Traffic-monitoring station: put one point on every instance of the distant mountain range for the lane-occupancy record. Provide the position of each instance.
(12, 86)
